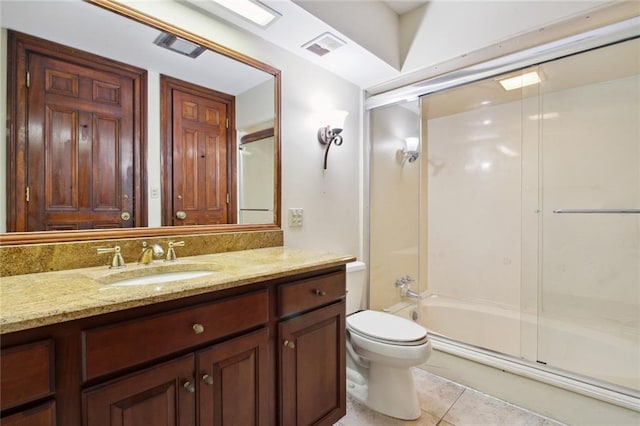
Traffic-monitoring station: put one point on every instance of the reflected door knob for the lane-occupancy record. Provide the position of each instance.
(181, 215)
(189, 386)
(125, 216)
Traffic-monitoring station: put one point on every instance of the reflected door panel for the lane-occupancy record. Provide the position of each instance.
(80, 147)
(199, 155)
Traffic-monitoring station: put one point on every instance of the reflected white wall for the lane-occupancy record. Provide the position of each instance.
(394, 198)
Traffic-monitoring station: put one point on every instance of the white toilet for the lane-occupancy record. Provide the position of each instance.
(381, 349)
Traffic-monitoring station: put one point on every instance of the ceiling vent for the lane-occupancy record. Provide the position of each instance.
(323, 44)
(179, 45)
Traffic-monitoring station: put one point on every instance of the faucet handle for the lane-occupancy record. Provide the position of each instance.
(171, 253)
(117, 262)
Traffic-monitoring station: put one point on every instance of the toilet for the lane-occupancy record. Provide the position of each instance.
(381, 349)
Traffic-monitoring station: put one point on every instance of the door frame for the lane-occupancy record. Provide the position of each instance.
(19, 47)
(167, 84)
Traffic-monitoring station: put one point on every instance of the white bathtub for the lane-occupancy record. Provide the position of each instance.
(561, 345)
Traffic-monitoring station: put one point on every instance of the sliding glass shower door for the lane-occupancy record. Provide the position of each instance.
(532, 187)
(589, 282)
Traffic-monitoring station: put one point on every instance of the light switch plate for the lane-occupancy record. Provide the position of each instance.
(295, 218)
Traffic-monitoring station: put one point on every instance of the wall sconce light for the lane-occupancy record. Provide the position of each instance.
(331, 132)
(410, 151)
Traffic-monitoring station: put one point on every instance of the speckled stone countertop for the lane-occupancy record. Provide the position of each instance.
(34, 300)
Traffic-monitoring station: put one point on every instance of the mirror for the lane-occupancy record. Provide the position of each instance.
(116, 32)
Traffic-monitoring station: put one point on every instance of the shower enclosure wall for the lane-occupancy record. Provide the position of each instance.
(520, 221)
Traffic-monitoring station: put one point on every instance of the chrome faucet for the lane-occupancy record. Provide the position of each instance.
(404, 283)
(149, 252)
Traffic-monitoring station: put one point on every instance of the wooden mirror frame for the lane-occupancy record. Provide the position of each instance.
(16, 238)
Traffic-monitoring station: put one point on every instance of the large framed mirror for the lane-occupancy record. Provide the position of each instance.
(178, 172)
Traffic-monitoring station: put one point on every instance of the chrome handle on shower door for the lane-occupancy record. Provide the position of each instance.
(597, 211)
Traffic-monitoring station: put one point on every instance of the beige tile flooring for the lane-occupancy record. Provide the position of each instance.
(445, 403)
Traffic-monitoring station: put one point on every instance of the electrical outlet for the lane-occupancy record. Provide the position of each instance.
(155, 192)
(295, 218)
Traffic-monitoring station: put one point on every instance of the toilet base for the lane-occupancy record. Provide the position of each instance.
(388, 390)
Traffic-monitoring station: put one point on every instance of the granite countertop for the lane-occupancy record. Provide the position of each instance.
(34, 300)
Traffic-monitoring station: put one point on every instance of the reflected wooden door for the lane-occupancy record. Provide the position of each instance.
(198, 155)
(80, 147)
(75, 139)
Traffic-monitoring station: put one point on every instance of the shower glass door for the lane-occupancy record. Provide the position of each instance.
(589, 162)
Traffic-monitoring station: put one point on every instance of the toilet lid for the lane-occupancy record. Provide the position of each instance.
(383, 326)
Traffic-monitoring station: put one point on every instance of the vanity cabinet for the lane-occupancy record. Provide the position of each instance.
(26, 377)
(160, 395)
(312, 350)
(264, 353)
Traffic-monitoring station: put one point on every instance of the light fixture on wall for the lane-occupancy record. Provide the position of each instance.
(410, 151)
(331, 132)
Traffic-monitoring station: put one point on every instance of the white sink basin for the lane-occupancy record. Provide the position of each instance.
(161, 277)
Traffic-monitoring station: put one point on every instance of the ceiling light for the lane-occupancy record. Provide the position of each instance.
(254, 11)
(520, 81)
(179, 45)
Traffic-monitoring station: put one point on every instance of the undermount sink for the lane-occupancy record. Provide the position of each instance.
(161, 277)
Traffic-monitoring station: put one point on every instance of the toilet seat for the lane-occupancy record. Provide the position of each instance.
(386, 328)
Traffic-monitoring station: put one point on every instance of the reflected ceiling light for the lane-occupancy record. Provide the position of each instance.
(179, 45)
(545, 116)
(254, 11)
(331, 132)
(520, 81)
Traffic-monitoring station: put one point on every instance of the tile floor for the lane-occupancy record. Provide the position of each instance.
(445, 403)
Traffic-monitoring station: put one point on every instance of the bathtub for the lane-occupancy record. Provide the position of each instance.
(553, 345)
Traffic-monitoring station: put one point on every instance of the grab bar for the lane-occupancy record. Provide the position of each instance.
(606, 211)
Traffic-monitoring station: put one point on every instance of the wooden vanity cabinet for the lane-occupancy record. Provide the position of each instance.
(312, 351)
(27, 378)
(268, 353)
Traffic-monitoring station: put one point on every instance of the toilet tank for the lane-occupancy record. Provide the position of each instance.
(356, 283)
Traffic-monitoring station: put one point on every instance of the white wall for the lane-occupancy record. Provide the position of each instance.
(331, 198)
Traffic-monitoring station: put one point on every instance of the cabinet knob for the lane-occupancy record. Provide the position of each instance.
(207, 379)
(198, 328)
(289, 344)
(320, 292)
(189, 386)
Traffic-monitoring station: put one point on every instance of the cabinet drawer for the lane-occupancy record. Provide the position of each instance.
(115, 347)
(27, 373)
(310, 293)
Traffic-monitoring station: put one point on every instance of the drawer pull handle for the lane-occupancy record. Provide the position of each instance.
(207, 379)
(289, 344)
(198, 328)
(189, 386)
(320, 292)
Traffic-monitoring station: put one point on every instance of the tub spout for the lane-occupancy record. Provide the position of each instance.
(410, 293)
(404, 284)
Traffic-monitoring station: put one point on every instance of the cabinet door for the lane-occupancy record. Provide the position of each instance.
(232, 382)
(312, 367)
(42, 415)
(163, 395)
